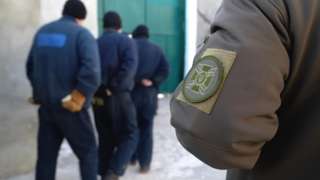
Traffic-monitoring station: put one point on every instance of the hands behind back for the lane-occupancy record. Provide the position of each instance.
(146, 82)
(74, 102)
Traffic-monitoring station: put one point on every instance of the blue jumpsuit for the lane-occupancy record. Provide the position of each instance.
(116, 117)
(64, 57)
(154, 66)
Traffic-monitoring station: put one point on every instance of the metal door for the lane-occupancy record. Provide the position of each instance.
(165, 18)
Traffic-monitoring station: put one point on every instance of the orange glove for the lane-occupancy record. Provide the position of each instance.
(74, 102)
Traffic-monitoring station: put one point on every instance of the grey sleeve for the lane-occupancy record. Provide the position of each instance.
(243, 117)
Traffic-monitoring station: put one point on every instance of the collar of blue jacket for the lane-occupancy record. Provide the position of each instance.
(110, 30)
(68, 18)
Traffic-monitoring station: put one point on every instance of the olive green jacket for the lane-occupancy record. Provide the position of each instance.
(251, 103)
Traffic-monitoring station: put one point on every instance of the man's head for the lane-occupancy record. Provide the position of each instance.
(76, 9)
(141, 31)
(112, 20)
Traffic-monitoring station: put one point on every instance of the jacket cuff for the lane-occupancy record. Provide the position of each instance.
(85, 90)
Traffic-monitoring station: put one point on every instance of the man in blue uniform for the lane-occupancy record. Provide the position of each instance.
(114, 110)
(153, 69)
(64, 70)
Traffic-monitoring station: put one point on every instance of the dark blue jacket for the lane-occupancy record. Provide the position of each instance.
(64, 57)
(118, 60)
(152, 64)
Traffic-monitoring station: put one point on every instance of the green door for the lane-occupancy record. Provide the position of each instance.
(165, 18)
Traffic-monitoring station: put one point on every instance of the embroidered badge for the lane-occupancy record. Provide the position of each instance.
(204, 79)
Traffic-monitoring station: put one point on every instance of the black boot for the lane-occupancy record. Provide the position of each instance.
(133, 162)
(111, 176)
(144, 169)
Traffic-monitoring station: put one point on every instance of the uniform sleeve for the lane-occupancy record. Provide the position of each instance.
(128, 56)
(29, 64)
(104, 69)
(162, 71)
(89, 75)
(244, 115)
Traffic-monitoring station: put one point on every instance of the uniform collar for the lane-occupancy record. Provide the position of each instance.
(110, 30)
(68, 18)
(141, 38)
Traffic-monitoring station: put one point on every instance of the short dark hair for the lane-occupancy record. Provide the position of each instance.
(75, 8)
(112, 20)
(141, 31)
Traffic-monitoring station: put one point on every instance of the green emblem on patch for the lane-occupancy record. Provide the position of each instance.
(204, 79)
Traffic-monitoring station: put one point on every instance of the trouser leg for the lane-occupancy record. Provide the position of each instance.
(104, 125)
(78, 130)
(126, 132)
(146, 103)
(49, 142)
(146, 140)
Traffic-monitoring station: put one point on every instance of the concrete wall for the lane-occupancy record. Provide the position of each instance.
(18, 120)
(206, 12)
(19, 20)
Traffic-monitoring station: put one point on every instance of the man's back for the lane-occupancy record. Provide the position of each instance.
(108, 44)
(150, 59)
(55, 66)
(118, 60)
(266, 116)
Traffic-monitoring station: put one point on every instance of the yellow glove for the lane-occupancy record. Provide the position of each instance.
(74, 102)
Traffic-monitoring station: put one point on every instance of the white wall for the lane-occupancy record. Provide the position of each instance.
(191, 33)
(199, 16)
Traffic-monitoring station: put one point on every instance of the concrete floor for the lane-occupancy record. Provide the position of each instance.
(171, 161)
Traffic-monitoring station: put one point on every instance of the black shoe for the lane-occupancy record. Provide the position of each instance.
(144, 169)
(133, 162)
(111, 176)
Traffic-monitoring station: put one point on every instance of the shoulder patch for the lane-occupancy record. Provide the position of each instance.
(205, 80)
